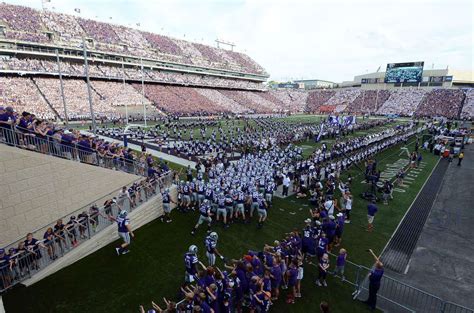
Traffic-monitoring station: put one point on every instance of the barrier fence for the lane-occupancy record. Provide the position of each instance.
(55, 146)
(29, 256)
(394, 295)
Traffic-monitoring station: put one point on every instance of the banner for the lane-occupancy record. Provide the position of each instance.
(320, 132)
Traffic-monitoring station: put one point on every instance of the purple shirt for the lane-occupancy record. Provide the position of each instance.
(292, 276)
(341, 259)
(257, 266)
(376, 276)
(372, 209)
(276, 272)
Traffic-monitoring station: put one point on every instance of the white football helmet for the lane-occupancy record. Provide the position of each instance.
(193, 249)
(214, 236)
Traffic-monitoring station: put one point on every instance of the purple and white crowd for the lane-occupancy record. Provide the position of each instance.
(23, 23)
(242, 192)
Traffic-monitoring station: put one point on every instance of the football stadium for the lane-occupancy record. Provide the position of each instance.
(142, 172)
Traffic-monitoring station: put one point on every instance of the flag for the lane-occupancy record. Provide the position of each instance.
(77, 10)
(348, 120)
(320, 132)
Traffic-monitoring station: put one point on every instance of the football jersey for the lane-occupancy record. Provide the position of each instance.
(186, 189)
(228, 200)
(200, 189)
(322, 243)
(308, 232)
(204, 210)
(255, 196)
(189, 261)
(209, 194)
(261, 204)
(210, 245)
(221, 201)
(240, 197)
(270, 188)
(122, 224)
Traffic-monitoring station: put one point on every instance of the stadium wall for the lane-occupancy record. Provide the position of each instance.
(37, 189)
(145, 213)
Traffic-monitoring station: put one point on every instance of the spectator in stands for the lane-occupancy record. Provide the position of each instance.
(441, 102)
(49, 238)
(7, 122)
(6, 267)
(32, 248)
(122, 196)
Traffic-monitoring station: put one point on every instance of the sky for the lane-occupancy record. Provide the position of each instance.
(304, 39)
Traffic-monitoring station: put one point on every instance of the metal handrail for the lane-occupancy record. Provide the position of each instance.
(31, 261)
(52, 146)
(163, 181)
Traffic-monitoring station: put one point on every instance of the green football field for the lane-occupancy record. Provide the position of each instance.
(104, 282)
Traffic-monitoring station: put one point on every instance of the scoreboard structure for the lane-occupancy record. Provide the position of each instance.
(409, 72)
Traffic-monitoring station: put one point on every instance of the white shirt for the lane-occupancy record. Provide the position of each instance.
(286, 181)
(329, 206)
(349, 204)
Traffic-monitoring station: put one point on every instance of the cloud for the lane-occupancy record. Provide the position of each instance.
(330, 39)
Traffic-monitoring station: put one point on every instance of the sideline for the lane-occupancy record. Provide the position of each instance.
(409, 208)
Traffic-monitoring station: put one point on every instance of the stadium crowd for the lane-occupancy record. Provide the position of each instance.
(317, 98)
(23, 23)
(22, 94)
(43, 97)
(129, 72)
(292, 100)
(368, 101)
(343, 98)
(402, 102)
(468, 108)
(441, 102)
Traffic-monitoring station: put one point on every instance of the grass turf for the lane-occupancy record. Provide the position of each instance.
(103, 282)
